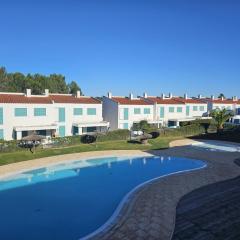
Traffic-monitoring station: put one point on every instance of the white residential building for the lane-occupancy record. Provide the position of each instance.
(122, 112)
(49, 114)
(222, 103)
(170, 111)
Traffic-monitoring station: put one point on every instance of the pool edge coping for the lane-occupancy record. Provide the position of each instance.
(128, 198)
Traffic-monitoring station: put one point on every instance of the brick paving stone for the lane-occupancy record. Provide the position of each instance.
(151, 211)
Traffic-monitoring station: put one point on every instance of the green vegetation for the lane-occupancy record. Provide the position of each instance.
(18, 82)
(23, 155)
(220, 117)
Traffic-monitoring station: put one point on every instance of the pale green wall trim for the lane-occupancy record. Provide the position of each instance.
(39, 112)
(147, 111)
(61, 114)
(91, 111)
(77, 111)
(137, 110)
(1, 116)
(20, 112)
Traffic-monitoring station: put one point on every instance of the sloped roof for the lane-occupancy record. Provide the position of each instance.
(128, 101)
(222, 101)
(41, 99)
(188, 100)
(160, 100)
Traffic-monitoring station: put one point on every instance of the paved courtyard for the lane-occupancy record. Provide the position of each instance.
(151, 212)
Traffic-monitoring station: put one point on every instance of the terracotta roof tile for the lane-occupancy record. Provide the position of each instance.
(17, 98)
(72, 99)
(160, 100)
(222, 101)
(128, 101)
(189, 100)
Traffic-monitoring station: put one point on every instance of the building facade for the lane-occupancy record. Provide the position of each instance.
(123, 112)
(49, 115)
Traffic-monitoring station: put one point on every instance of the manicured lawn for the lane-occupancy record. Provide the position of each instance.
(158, 143)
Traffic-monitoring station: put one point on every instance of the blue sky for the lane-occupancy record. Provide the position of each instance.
(126, 46)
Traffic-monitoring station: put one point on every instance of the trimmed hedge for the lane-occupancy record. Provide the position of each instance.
(189, 130)
(120, 134)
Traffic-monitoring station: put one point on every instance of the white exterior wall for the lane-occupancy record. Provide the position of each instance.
(169, 115)
(197, 113)
(134, 117)
(70, 118)
(110, 112)
(10, 121)
(222, 106)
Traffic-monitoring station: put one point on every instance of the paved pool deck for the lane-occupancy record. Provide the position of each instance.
(150, 212)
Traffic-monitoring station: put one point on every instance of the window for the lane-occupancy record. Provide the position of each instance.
(125, 126)
(147, 110)
(61, 114)
(171, 109)
(201, 108)
(187, 110)
(77, 111)
(1, 116)
(137, 110)
(125, 113)
(91, 111)
(1, 134)
(20, 112)
(39, 111)
(195, 108)
(161, 110)
(179, 109)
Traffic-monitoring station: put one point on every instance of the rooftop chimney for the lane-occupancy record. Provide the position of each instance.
(78, 94)
(46, 92)
(109, 95)
(131, 96)
(163, 95)
(185, 96)
(170, 95)
(145, 95)
(28, 92)
(199, 96)
(234, 98)
(212, 97)
(222, 98)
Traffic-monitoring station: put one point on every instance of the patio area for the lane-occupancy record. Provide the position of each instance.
(151, 213)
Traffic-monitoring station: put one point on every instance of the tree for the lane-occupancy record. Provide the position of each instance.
(18, 82)
(221, 95)
(220, 117)
(141, 126)
(73, 88)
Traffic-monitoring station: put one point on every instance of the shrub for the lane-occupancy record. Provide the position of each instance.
(155, 134)
(120, 134)
(88, 138)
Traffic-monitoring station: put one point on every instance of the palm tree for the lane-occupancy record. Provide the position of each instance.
(220, 117)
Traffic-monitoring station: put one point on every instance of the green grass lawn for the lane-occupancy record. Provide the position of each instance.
(155, 144)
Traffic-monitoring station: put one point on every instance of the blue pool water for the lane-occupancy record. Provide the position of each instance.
(71, 200)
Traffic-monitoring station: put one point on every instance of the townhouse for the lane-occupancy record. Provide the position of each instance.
(22, 114)
(223, 103)
(170, 111)
(122, 112)
(166, 111)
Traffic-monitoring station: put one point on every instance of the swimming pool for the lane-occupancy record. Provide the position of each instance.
(217, 146)
(71, 200)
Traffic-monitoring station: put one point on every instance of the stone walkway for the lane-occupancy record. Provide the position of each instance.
(211, 212)
(150, 213)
